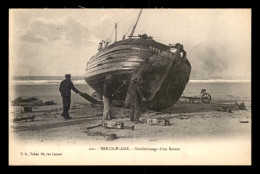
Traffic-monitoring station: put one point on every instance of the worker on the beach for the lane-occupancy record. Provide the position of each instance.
(65, 90)
(134, 99)
(202, 92)
(108, 98)
(100, 47)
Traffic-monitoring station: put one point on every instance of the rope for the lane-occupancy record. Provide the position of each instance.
(119, 88)
(124, 81)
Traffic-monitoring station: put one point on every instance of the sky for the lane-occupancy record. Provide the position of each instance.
(53, 42)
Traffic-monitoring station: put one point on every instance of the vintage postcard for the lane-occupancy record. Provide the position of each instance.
(129, 87)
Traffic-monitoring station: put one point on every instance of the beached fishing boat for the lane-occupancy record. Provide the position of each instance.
(163, 70)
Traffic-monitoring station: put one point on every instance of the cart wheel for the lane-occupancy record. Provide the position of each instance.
(206, 98)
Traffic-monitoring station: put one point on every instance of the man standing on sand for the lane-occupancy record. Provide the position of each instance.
(65, 90)
(134, 99)
(108, 98)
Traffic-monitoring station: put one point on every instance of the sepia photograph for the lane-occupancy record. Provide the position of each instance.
(130, 86)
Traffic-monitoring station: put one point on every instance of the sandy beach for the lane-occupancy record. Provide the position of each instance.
(188, 120)
(196, 130)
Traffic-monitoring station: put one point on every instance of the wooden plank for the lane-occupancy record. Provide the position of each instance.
(109, 71)
(89, 98)
(112, 67)
(130, 48)
(101, 79)
(119, 53)
(121, 48)
(115, 60)
(172, 87)
(140, 42)
(103, 75)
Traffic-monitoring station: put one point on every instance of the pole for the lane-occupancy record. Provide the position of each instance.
(115, 32)
(135, 24)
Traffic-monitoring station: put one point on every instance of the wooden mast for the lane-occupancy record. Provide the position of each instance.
(115, 32)
(135, 24)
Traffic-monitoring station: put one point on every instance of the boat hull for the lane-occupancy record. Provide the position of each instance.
(164, 74)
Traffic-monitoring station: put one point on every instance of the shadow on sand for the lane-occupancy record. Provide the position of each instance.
(184, 107)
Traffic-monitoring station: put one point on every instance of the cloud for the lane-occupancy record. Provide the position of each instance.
(68, 32)
(75, 34)
(40, 31)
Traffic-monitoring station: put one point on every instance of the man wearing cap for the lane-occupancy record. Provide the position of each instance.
(65, 90)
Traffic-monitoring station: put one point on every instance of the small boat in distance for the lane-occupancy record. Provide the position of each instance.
(163, 70)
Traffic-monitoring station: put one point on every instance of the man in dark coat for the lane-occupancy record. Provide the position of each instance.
(134, 99)
(108, 98)
(65, 89)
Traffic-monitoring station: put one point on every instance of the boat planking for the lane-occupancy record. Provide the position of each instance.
(162, 70)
